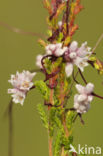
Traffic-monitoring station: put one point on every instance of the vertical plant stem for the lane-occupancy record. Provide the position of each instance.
(50, 146)
(10, 151)
(67, 17)
(62, 153)
(74, 154)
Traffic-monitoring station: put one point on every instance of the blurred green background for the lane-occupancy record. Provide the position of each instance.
(17, 52)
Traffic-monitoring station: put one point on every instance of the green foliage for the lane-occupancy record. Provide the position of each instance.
(43, 89)
(55, 120)
(52, 121)
(43, 115)
(50, 66)
(57, 144)
(62, 86)
(69, 119)
(57, 63)
(60, 37)
(66, 142)
(97, 64)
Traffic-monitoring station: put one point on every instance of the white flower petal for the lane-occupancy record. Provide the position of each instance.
(38, 61)
(76, 105)
(69, 69)
(73, 55)
(90, 98)
(82, 97)
(89, 88)
(76, 98)
(19, 97)
(81, 63)
(21, 82)
(55, 49)
(73, 46)
(80, 88)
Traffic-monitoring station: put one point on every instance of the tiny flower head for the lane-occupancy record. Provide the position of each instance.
(19, 97)
(84, 98)
(55, 49)
(78, 56)
(21, 82)
(38, 61)
(69, 69)
(88, 89)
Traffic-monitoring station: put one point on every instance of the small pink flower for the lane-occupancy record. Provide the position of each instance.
(21, 82)
(55, 49)
(38, 61)
(84, 98)
(77, 56)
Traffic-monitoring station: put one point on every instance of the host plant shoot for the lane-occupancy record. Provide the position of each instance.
(63, 61)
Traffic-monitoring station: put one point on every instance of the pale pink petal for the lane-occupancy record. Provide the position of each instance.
(89, 88)
(73, 46)
(80, 88)
(69, 69)
(82, 97)
(76, 97)
(90, 98)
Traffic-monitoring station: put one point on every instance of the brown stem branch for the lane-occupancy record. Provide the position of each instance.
(82, 76)
(50, 146)
(96, 95)
(74, 154)
(74, 78)
(67, 17)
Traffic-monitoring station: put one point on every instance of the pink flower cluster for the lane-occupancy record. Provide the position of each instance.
(78, 56)
(84, 98)
(21, 82)
(73, 55)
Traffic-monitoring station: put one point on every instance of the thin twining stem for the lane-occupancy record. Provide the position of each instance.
(78, 115)
(42, 61)
(74, 78)
(72, 83)
(22, 32)
(10, 113)
(99, 40)
(67, 95)
(82, 76)
(96, 95)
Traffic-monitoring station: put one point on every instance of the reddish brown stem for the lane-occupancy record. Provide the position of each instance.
(82, 76)
(50, 146)
(98, 96)
(67, 17)
(74, 78)
(74, 154)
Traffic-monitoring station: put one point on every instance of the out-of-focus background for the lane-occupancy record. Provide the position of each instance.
(17, 52)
